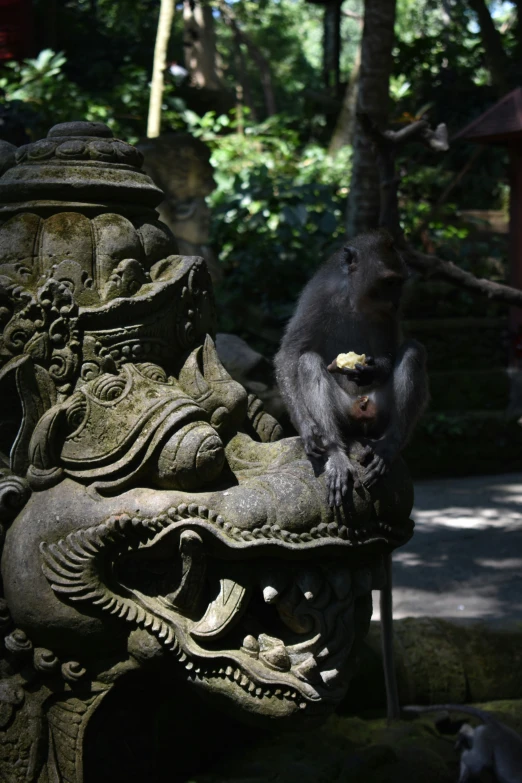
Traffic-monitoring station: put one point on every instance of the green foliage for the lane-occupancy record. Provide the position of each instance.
(278, 212)
(39, 90)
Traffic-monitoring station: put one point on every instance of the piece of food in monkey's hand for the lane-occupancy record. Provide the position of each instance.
(347, 361)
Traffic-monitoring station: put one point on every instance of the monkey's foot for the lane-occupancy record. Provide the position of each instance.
(338, 472)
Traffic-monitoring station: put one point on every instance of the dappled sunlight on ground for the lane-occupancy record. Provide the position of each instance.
(465, 558)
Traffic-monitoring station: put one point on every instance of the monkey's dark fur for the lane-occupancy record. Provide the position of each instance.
(352, 304)
(492, 746)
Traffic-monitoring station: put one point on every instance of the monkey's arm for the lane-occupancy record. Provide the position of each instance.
(286, 366)
(323, 399)
(408, 401)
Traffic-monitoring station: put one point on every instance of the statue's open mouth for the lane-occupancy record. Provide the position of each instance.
(272, 619)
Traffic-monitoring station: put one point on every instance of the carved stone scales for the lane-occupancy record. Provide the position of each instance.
(148, 505)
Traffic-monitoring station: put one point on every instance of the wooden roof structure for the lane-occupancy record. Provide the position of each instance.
(501, 124)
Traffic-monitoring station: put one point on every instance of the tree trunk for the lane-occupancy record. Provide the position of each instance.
(242, 76)
(166, 16)
(372, 99)
(256, 54)
(199, 41)
(345, 126)
(332, 46)
(496, 57)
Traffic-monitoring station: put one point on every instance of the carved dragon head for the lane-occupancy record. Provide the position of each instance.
(168, 520)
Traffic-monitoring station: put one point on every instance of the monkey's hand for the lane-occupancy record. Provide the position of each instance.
(377, 466)
(361, 374)
(339, 470)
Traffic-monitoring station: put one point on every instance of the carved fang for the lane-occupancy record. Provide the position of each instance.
(194, 566)
(223, 612)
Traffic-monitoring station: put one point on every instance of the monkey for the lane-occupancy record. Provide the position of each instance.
(492, 746)
(367, 413)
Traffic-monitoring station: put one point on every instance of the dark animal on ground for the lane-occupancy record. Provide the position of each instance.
(365, 414)
(493, 746)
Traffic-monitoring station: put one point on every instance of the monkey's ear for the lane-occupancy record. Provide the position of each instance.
(349, 257)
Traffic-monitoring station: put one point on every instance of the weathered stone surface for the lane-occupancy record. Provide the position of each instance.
(180, 165)
(153, 516)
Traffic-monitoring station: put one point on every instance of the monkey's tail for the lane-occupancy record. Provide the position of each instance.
(467, 709)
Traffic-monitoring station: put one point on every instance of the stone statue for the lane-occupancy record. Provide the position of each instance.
(179, 164)
(151, 513)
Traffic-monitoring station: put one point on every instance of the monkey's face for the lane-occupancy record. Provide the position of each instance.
(376, 273)
(386, 292)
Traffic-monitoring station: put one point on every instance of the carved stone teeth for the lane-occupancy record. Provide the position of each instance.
(251, 687)
(343, 532)
(172, 513)
(293, 695)
(182, 509)
(322, 529)
(307, 670)
(203, 512)
(287, 693)
(212, 515)
(247, 535)
(328, 676)
(221, 671)
(278, 692)
(270, 594)
(193, 509)
(267, 692)
(275, 530)
(182, 657)
(237, 675)
(124, 522)
(274, 653)
(310, 583)
(250, 646)
(244, 681)
(226, 526)
(259, 691)
(229, 671)
(220, 521)
(333, 529)
(302, 705)
(294, 537)
(189, 665)
(266, 530)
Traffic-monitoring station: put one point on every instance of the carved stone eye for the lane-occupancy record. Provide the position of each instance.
(76, 412)
(152, 371)
(108, 387)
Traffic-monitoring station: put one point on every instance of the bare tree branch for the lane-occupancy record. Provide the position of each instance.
(352, 15)
(433, 266)
(386, 144)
